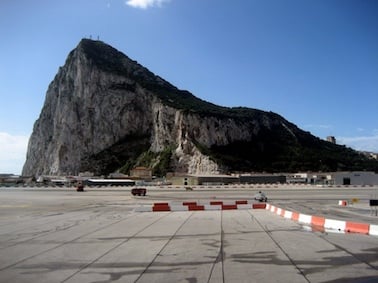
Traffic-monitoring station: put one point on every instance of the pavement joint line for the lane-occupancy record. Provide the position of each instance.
(321, 223)
(270, 235)
(64, 243)
(165, 245)
(27, 220)
(348, 252)
(220, 256)
(116, 246)
(43, 233)
(338, 247)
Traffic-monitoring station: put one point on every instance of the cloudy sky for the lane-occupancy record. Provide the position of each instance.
(313, 62)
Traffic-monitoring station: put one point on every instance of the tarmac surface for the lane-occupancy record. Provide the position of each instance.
(60, 235)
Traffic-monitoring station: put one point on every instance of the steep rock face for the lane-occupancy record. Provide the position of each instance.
(88, 110)
(104, 111)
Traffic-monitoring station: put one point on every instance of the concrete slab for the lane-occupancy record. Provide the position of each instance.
(191, 254)
(317, 256)
(57, 264)
(64, 236)
(250, 255)
(133, 257)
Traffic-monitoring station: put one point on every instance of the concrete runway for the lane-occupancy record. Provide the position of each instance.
(60, 235)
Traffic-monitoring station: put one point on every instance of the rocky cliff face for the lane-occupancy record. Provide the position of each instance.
(104, 112)
(89, 109)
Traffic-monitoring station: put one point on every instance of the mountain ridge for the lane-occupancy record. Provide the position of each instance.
(105, 112)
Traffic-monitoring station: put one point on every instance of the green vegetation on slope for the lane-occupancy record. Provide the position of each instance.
(159, 162)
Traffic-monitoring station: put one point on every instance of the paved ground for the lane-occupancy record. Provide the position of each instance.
(51, 235)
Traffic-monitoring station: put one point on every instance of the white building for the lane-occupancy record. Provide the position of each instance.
(358, 178)
(313, 178)
(353, 178)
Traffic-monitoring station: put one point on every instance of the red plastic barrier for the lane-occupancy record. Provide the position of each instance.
(295, 216)
(229, 206)
(216, 202)
(354, 227)
(189, 203)
(241, 202)
(161, 204)
(259, 206)
(196, 207)
(161, 207)
(317, 221)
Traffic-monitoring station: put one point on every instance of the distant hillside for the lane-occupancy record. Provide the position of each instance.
(104, 112)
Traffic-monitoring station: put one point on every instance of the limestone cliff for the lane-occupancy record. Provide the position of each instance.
(104, 112)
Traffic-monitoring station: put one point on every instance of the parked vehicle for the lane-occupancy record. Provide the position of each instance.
(80, 186)
(138, 191)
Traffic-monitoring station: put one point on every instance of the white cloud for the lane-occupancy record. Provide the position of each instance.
(363, 143)
(144, 4)
(12, 152)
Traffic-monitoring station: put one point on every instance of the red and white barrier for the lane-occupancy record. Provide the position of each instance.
(202, 205)
(315, 223)
(318, 223)
(373, 230)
